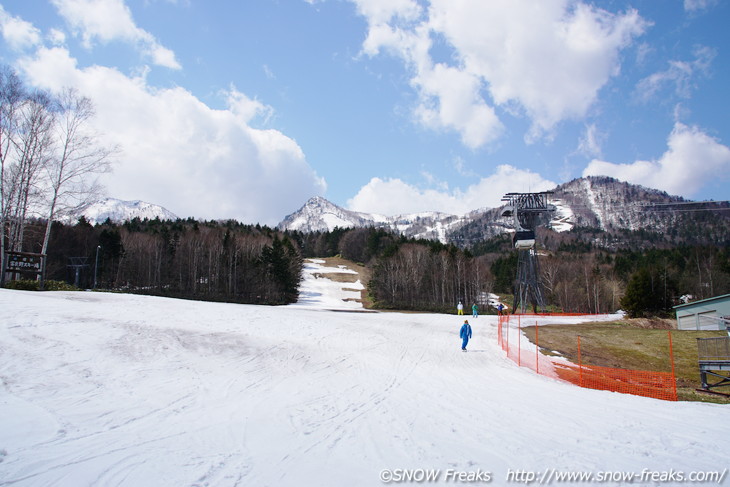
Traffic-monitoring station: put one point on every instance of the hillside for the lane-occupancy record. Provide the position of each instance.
(597, 210)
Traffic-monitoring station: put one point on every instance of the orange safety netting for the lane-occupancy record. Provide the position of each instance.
(659, 385)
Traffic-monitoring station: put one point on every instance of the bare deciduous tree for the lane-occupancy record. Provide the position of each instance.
(75, 158)
(49, 158)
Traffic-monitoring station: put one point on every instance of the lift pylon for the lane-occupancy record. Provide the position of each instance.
(526, 209)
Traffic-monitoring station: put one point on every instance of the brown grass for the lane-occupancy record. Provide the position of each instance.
(631, 344)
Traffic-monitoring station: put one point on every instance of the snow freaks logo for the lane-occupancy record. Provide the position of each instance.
(420, 475)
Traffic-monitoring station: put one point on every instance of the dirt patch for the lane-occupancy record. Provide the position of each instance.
(653, 323)
(362, 274)
(338, 276)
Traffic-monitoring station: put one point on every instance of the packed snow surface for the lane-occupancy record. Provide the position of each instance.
(111, 389)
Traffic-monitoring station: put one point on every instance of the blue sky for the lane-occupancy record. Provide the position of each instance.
(246, 109)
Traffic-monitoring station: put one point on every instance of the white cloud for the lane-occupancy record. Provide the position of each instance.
(18, 33)
(245, 108)
(546, 59)
(680, 75)
(110, 20)
(450, 99)
(693, 159)
(56, 37)
(696, 5)
(591, 142)
(182, 154)
(394, 196)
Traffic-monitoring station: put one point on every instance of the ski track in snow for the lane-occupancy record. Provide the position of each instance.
(122, 390)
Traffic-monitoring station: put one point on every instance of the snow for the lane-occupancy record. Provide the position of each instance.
(333, 221)
(321, 293)
(122, 390)
(120, 211)
(562, 221)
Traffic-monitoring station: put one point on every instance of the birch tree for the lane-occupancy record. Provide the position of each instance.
(75, 158)
(11, 94)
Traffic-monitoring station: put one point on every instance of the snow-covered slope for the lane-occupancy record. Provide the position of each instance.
(318, 291)
(120, 211)
(127, 390)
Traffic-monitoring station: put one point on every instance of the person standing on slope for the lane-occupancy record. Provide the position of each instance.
(460, 308)
(475, 310)
(465, 334)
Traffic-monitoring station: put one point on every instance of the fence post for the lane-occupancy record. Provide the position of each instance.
(537, 351)
(507, 349)
(580, 365)
(671, 357)
(519, 344)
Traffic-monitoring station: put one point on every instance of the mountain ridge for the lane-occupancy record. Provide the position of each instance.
(601, 203)
(119, 211)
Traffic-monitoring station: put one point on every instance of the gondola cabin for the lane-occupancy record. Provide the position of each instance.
(524, 239)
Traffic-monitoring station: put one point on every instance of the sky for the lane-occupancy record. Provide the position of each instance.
(245, 110)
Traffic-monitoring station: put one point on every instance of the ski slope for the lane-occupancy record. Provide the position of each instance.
(103, 389)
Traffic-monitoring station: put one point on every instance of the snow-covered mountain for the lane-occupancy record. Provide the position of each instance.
(601, 203)
(321, 215)
(120, 211)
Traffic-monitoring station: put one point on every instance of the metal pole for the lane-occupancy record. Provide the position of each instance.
(580, 365)
(96, 264)
(671, 358)
(537, 350)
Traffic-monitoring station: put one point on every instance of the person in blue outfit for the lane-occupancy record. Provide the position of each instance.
(465, 334)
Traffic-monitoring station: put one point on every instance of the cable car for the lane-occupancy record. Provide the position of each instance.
(524, 239)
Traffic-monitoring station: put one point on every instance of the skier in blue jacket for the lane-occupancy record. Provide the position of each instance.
(465, 334)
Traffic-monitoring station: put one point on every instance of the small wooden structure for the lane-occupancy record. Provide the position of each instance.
(714, 361)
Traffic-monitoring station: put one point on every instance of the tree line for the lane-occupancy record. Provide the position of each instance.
(230, 261)
(575, 276)
(215, 261)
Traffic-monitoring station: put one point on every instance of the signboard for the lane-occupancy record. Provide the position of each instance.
(23, 262)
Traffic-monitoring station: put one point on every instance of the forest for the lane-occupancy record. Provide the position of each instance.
(215, 261)
(576, 276)
(230, 261)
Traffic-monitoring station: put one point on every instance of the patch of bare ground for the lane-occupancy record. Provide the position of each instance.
(362, 274)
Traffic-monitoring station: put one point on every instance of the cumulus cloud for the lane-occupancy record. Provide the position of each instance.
(547, 59)
(18, 33)
(110, 20)
(180, 153)
(395, 197)
(692, 159)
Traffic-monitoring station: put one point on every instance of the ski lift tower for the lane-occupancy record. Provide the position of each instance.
(526, 209)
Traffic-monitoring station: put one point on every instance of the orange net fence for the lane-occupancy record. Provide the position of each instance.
(659, 385)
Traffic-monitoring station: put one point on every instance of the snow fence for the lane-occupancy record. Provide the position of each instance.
(659, 385)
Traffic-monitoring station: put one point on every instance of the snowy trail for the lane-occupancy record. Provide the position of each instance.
(111, 389)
